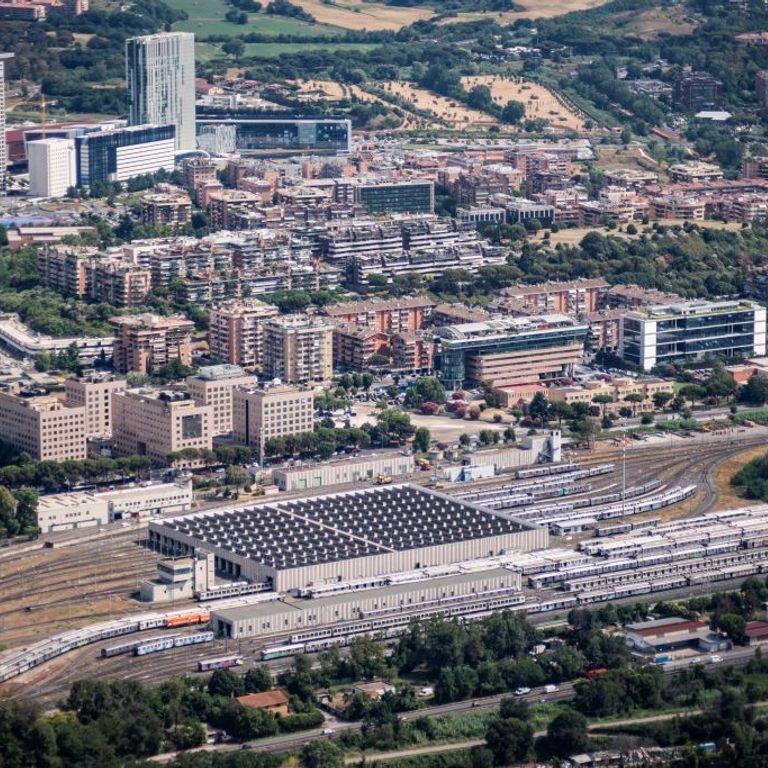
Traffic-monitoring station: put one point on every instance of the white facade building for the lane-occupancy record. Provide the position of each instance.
(52, 168)
(160, 72)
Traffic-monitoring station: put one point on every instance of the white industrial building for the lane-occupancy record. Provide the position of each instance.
(291, 614)
(344, 536)
(64, 511)
(350, 470)
(52, 167)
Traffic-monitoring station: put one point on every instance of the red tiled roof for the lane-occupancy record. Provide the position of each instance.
(273, 698)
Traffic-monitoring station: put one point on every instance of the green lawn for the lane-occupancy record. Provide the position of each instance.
(206, 17)
(276, 49)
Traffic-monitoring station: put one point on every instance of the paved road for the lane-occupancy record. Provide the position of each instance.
(737, 657)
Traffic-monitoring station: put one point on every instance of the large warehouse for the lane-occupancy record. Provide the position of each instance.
(343, 536)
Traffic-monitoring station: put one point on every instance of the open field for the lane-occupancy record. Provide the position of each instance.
(540, 102)
(278, 49)
(352, 14)
(328, 90)
(727, 498)
(452, 112)
(649, 24)
(532, 9)
(206, 17)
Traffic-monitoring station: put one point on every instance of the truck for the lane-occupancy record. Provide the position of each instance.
(383, 480)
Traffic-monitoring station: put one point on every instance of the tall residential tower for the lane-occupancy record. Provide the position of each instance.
(160, 71)
(3, 144)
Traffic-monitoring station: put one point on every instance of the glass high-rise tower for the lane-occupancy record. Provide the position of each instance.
(160, 71)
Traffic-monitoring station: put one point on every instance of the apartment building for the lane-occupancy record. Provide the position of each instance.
(226, 202)
(94, 394)
(273, 411)
(360, 240)
(145, 343)
(354, 346)
(213, 385)
(673, 206)
(43, 426)
(169, 209)
(694, 172)
(691, 331)
(391, 316)
(510, 351)
(396, 197)
(697, 90)
(457, 313)
(571, 297)
(64, 268)
(236, 331)
(413, 351)
(119, 283)
(196, 171)
(298, 349)
(151, 423)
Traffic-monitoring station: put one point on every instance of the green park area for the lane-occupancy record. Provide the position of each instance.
(207, 18)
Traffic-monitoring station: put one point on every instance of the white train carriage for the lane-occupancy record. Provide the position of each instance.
(281, 651)
(154, 647)
(199, 637)
(674, 582)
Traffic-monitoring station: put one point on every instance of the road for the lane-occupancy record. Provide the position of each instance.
(737, 657)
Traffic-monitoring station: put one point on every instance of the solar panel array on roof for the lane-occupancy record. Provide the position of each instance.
(402, 517)
(273, 537)
(341, 526)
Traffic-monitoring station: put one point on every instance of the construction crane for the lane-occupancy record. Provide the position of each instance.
(44, 104)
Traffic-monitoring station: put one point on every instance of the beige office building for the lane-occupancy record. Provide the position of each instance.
(43, 426)
(298, 349)
(145, 343)
(259, 414)
(94, 393)
(213, 385)
(236, 331)
(154, 424)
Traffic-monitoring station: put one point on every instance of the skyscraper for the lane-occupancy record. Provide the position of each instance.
(3, 145)
(160, 71)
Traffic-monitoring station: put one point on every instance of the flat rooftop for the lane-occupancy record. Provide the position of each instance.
(341, 526)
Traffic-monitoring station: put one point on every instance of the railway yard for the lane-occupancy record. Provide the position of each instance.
(667, 537)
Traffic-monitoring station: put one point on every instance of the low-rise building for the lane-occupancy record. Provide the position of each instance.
(274, 702)
(64, 511)
(363, 469)
(156, 424)
(618, 388)
(694, 172)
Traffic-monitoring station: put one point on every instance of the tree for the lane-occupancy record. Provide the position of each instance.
(755, 390)
(603, 400)
(257, 679)
(224, 682)
(509, 739)
(395, 425)
(635, 398)
(513, 112)
(236, 476)
(660, 399)
(567, 734)
(426, 389)
(321, 754)
(692, 392)
(733, 625)
(560, 410)
(421, 440)
(8, 520)
(538, 408)
(720, 383)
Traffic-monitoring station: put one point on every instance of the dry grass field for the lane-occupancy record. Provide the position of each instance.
(533, 9)
(727, 498)
(353, 14)
(452, 112)
(538, 100)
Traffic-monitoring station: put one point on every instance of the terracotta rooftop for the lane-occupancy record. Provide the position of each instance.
(274, 698)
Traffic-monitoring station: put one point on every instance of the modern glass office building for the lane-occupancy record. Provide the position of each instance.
(256, 132)
(510, 351)
(397, 197)
(123, 153)
(160, 72)
(691, 331)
